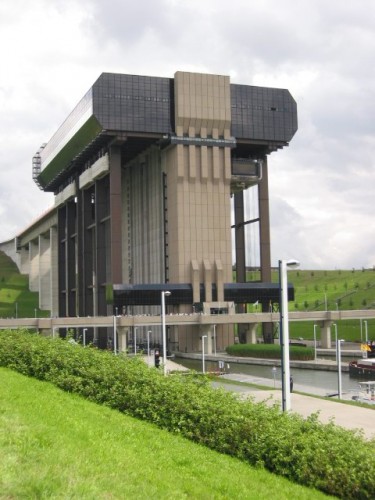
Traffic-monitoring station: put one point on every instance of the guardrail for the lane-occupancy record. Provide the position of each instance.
(180, 319)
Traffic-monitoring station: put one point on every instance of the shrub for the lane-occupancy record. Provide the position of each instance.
(270, 351)
(334, 460)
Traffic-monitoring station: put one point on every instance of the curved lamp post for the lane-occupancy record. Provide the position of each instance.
(284, 265)
(149, 332)
(315, 356)
(163, 295)
(203, 355)
(338, 361)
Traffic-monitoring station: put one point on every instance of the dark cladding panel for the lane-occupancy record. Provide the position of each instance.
(264, 114)
(133, 103)
(182, 293)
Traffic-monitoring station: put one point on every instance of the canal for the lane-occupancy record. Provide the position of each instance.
(327, 380)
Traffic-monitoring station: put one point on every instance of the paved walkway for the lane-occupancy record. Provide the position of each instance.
(344, 415)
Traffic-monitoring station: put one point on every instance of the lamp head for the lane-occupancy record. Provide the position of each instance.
(167, 293)
(292, 263)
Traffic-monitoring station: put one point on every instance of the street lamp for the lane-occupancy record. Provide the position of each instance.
(366, 332)
(338, 361)
(203, 355)
(215, 339)
(114, 334)
(148, 347)
(84, 337)
(135, 340)
(163, 295)
(284, 265)
(274, 370)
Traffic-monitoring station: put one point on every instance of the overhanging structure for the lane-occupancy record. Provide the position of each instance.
(143, 171)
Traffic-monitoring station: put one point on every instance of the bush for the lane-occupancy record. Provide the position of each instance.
(334, 460)
(270, 351)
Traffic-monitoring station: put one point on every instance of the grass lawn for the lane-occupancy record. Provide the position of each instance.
(16, 300)
(57, 445)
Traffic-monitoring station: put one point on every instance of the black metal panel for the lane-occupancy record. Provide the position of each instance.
(263, 114)
(240, 293)
(133, 103)
(132, 295)
(252, 292)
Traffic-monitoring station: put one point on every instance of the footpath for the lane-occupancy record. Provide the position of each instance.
(348, 416)
(344, 415)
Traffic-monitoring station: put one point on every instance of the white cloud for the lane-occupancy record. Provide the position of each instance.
(321, 187)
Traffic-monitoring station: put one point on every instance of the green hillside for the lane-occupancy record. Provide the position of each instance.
(81, 450)
(337, 289)
(314, 291)
(332, 290)
(16, 300)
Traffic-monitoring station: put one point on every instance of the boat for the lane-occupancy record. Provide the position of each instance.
(366, 393)
(362, 368)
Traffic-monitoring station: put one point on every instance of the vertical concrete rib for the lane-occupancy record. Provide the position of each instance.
(265, 243)
(115, 201)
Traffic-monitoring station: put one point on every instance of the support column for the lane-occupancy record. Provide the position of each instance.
(122, 333)
(115, 201)
(24, 261)
(239, 237)
(34, 266)
(206, 330)
(251, 333)
(44, 272)
(326, 335)
(265, 244)
(264, 225)
(54, 288)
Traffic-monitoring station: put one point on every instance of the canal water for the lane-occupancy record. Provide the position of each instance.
(327, 380)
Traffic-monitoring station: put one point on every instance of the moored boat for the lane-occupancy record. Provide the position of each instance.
(362, 368)
(366, 393)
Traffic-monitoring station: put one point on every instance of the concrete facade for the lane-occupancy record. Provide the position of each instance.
(143, 171)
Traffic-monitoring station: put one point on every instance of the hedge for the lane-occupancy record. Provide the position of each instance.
(270, 351)
(323, 456)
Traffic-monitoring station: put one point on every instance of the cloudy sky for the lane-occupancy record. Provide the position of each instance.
(322, 187)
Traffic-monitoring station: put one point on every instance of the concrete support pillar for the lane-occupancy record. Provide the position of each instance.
(45, 332)
(115, 200)
(24, 261)
(44, 272)
(265, 243)
(251, 333)
(195, 281)
(54, 285)
(34, 266)
(207, 280)
(326, 334)
(219, 280)
(122, 336)
(207, 330)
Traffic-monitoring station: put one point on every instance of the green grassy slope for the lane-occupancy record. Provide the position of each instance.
(15, 296)
(57, 445)
(338, 290)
